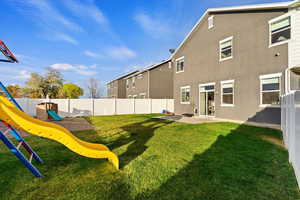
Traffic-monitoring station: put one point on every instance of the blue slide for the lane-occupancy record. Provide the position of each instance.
(54, 115)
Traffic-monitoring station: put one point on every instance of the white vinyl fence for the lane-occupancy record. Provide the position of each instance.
(97, 107)
(290, 125)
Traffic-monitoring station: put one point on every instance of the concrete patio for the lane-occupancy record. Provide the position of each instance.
(201, 120)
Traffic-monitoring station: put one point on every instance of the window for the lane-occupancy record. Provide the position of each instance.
(226, 49)
(140, 76)
(180, 65)
(133, 82)
(270, 89)
(227, 97)
(211, 22)
(143, 96)
(280, 30)
(127, 83)
(185, 94)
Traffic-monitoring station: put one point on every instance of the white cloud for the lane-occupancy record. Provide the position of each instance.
(79, 69)
(46, 15)
(120, 53)
(154, 26)
(88, 10)
(52, 23)
(62, 66)
(23, 74)
(92, 54)
(66, 38)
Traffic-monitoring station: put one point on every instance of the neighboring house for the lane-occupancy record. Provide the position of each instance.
(235, 63)
(155, 82)
(117, 87)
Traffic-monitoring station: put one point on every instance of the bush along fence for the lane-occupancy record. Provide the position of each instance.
(290, 126)
(98, 107)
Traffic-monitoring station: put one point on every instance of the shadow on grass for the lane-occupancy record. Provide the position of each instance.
(138, 135)
(236, 166)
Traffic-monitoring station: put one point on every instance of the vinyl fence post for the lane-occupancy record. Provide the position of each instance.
(133, 105)
(93, 107)
(69, 107)
(166, 104)
(115, 104)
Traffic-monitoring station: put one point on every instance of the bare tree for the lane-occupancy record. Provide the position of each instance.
(93, 87)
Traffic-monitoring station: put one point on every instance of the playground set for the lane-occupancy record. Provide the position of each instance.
(47, 111)
(14, 118)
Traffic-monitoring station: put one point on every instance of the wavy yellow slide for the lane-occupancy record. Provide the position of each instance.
(20, 120)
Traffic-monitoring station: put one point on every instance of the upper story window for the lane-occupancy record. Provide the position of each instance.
(127, 83)
(133, 82)
(270, 89)
(185, 94)
(227, 97)
(143, 96)
(211, 22)
(280, 30)
(140, 76)
(226, 48)
(180, 65)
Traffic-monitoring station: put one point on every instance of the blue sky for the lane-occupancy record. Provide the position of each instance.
(95, 38)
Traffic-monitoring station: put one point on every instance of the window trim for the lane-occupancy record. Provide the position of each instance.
(179, 59)
(233, 99)
(185, 87)
(133, 82)
(127, 84)
(270, 32)
(220, 55)
(144, 94)
(140, 76)
(268, 76)
(210, 21)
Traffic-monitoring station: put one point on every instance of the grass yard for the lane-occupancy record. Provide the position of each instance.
(159, 160)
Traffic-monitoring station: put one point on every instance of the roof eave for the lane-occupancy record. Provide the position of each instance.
(280, 5)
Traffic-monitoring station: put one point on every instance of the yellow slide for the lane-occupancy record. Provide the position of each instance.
(20, 120)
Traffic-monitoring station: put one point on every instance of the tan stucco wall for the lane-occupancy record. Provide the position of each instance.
(141, 85)
(161, 82)
(252, 57)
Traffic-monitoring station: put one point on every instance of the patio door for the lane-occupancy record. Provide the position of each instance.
(207, 99)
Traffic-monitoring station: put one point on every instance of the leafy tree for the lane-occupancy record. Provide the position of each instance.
(42, 87)
(14, 90)
(71, 91)
(52, 83)
(34, 86)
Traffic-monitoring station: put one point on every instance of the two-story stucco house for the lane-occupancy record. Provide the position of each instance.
(237, 61)
(154, 82)
(117, 87)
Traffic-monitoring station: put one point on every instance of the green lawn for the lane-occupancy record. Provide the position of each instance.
(159, 160)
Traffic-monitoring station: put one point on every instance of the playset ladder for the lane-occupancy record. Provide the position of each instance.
(22, 143)
(16, 149)
(11, 130)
